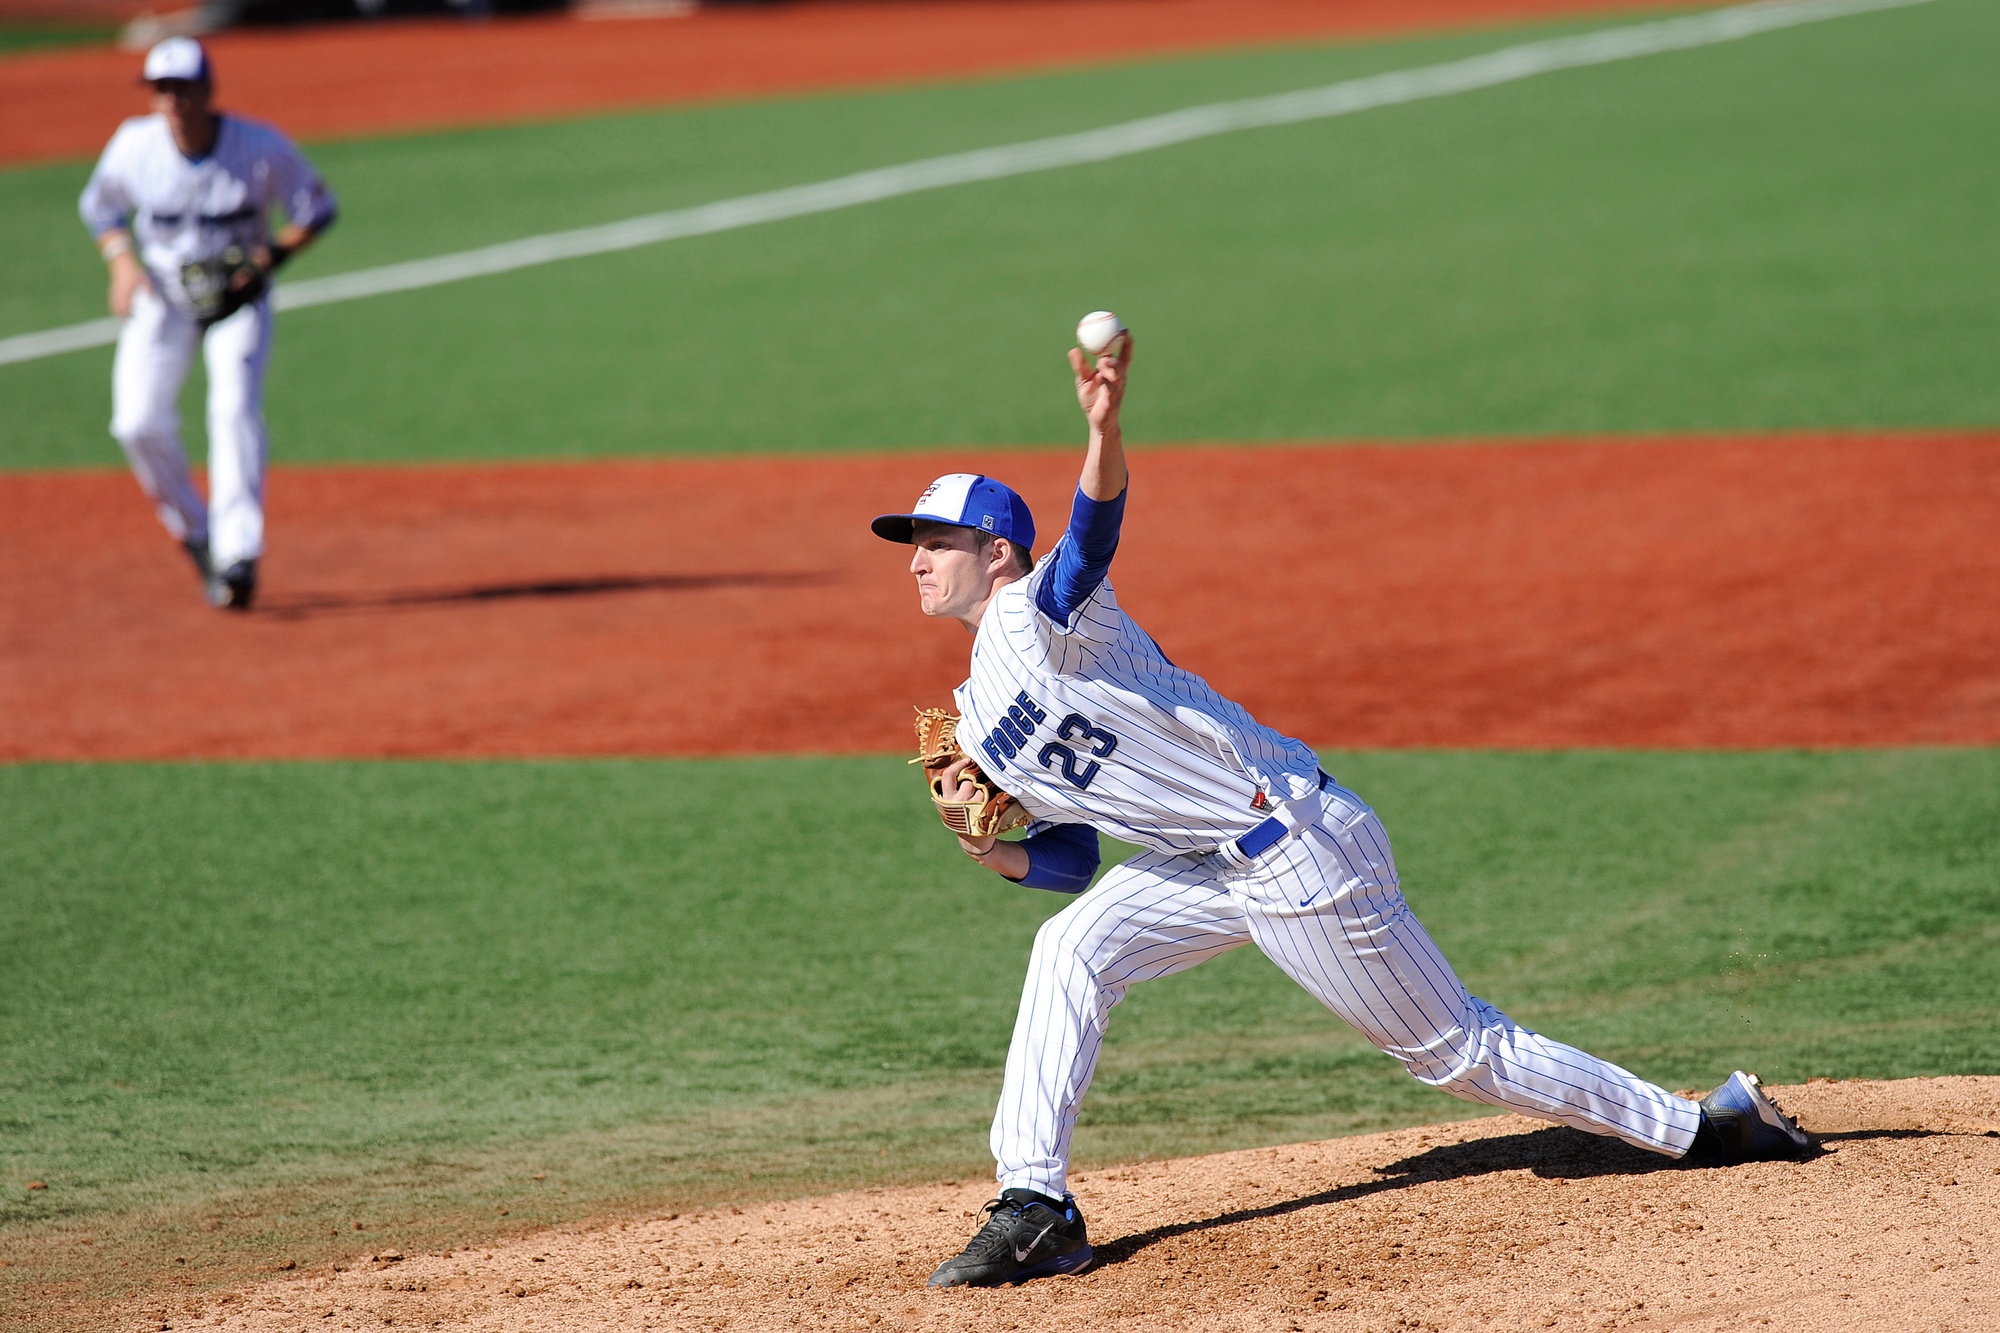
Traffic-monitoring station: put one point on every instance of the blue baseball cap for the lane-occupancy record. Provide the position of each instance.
(965, 500)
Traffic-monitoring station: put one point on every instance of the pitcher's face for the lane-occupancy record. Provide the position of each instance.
(954, 573)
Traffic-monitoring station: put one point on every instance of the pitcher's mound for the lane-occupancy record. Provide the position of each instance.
(1488, 1224)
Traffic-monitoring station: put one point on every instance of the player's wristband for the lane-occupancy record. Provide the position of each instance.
(118, 244)
(279, 254)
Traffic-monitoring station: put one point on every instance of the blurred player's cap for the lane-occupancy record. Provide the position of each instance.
(177, 58)
(965, 500)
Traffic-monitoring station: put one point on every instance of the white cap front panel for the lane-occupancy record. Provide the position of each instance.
(945, 498)
(177, 58)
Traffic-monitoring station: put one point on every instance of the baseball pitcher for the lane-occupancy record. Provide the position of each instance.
(1074, 721)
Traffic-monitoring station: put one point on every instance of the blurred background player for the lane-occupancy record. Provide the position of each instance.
(180, 205)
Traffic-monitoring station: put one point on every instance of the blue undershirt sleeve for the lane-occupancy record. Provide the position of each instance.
(1082, 556)
(1061, 858)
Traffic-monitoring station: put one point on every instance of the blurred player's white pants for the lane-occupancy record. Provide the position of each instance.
(1327, 908)
(156, 350)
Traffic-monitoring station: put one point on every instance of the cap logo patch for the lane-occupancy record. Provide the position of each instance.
(986, 522)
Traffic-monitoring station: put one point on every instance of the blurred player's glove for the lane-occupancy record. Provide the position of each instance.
(988, 811)
(217, 288)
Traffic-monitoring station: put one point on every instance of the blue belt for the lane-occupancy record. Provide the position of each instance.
(1272, 831)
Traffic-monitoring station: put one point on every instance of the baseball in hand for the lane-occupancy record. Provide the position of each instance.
(1099, 333)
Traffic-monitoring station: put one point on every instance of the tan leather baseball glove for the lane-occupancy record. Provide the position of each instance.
(966, 799)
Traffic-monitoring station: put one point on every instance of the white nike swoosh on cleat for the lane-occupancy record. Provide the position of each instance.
(1021, 1255)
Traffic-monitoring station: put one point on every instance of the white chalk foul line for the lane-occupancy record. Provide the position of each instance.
(1507, 65)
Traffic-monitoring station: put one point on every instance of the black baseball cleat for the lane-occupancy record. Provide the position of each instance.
(1739, 1123)
(232, 589)
(1027, 1235)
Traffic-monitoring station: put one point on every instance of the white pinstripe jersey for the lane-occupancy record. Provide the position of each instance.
(1091, 724)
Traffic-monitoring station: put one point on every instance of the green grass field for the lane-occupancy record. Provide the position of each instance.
(283, 998)
(1789, 231)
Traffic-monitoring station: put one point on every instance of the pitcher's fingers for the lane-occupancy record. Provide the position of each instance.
(955, 778)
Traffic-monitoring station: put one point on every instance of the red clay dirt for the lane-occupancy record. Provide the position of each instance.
(1492, 1224)
(1808, 590)
(358, 79)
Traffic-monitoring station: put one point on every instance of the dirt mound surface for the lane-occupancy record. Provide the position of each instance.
(1498, 1223)
(413, 75)
(1805, 590)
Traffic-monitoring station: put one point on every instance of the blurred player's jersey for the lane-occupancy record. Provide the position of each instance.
(1089, 723)
(186, 211)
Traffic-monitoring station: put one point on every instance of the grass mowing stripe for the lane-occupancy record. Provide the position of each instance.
(256, 1003)
(1474, 73)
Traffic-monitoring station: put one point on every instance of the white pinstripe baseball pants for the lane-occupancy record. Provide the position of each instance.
(1327, 908)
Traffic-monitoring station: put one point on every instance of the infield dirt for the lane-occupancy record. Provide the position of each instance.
(1811, 590)
(1498, 1223)
(328, 80)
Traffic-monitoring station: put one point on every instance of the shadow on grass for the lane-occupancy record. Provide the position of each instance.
(1555, 1153)
(307, 605)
